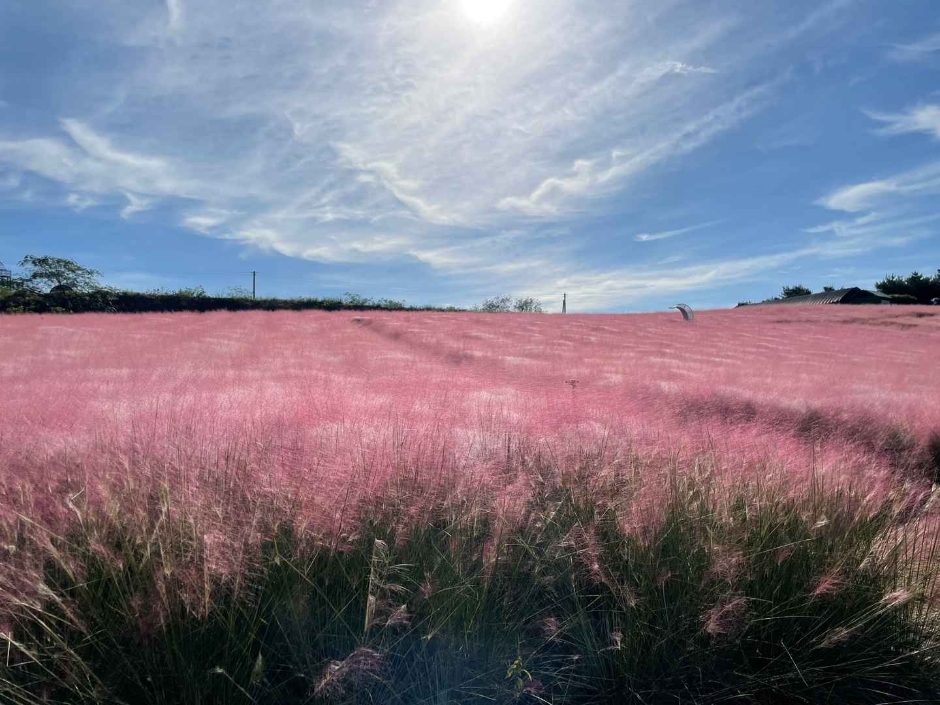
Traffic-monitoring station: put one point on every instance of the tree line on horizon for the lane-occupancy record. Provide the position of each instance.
(916, 288)
(50, 284)
(45, 275)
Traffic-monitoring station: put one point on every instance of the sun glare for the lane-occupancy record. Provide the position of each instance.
(484, 11)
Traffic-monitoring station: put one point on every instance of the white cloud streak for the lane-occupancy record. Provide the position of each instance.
(923, 118)
(874, 227)
(79, 203)
(667, 234)
(604, 175)
(832, 10)
(135, 204)
(207, 221)
(174, 9)
(92, 164)
(924, 181)
(920, 50)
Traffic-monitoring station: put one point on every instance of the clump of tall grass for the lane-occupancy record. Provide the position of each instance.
(724, 594)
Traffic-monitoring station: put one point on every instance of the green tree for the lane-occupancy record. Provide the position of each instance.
(798, 290)
(527, 305)
(506, 304)
(45, 273)
(391, 304)
(498, 304)
(891, 285)
(829, 288)
(356, 300)
(917, 285)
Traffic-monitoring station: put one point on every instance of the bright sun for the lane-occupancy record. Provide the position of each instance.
(485, 11)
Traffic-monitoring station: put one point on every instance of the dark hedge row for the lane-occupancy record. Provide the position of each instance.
(106, 301)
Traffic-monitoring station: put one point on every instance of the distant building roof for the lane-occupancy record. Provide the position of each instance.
(852, 295)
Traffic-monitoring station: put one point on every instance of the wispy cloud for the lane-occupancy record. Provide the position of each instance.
(844, 228)
(657, 71)
(859, 197)
(920, 50)
(666, 234)
(100, 149)
(874, 228)
(824, 14)
(208, 220)
(800, 132)
(923, 118)
(10, 180)
(174, 10)
(79, 202)
(591, 177)
(90, 164)
(919, 182)
(135, 204)
(386, 175)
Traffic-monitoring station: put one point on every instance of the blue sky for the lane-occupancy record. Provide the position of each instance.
(632, 153)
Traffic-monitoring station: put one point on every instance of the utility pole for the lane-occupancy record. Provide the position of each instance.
(564, 304)
(254, 285)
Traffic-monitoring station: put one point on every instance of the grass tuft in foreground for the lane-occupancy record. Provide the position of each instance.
(745, 598)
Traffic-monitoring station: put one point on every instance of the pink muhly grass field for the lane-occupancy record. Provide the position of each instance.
(318, 410)
(207, 508)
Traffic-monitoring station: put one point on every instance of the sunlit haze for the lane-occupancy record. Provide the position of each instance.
(485, 10)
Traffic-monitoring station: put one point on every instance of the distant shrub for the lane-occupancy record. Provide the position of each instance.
(358, 301)
(497, 304)
(797, 290)
(527, 305)
(506, 304)
(195, 292)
